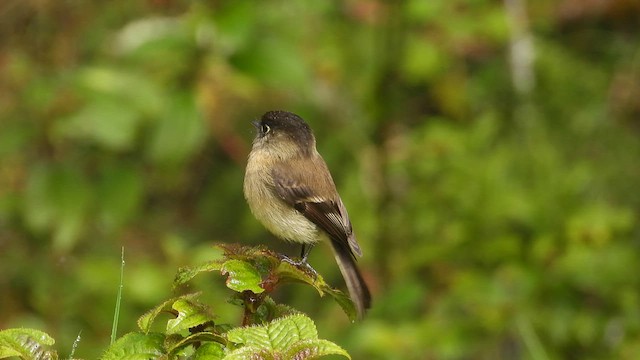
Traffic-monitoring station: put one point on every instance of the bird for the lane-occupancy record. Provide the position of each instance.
(289, 189)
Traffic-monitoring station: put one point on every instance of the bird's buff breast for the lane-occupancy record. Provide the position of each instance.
(277, 216)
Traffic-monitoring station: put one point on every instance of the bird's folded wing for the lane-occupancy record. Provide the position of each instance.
(316, 198)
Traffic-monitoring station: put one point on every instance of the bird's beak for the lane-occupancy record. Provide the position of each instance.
(256, 124)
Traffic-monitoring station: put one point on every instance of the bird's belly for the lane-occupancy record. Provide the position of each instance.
(279, 217)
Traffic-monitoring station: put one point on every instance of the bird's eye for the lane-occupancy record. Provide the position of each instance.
(264, 129)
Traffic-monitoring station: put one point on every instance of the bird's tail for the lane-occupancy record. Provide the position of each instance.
(358, 289)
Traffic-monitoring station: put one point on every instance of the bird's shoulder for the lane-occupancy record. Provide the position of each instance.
(304, 180)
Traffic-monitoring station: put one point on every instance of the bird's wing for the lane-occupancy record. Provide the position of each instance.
(313, 194)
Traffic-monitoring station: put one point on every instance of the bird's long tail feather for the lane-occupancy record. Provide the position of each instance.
(358, 289)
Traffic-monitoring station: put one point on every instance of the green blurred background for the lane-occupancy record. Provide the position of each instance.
(488, 153)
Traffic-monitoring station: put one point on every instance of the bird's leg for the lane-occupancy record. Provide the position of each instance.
(304, 254)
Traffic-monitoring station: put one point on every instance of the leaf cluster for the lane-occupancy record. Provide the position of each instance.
(269, 331)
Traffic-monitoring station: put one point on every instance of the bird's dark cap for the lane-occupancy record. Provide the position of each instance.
(285, 120)
(290, 124)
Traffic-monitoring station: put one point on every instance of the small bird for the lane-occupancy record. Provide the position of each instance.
(290, 191)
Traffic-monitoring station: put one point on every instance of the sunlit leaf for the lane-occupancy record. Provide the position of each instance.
(190, 314)
(276, 335)
(146, 321)
(242, 276)
(27, 344)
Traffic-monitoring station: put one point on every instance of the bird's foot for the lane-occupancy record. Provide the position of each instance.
(300, 263)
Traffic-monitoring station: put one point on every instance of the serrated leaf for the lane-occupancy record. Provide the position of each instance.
(277, 335)
(27, 344)
(185, 274)
(136, 346)
(312, 349)
(145, 321)
(291, 337)
(242, 276)
(250, 352)
(190, 314)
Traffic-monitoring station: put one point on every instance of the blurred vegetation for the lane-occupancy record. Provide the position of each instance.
(487, 151)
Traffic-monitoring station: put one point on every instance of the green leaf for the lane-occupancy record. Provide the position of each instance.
(242, 276)
(345, 302)
(145, 321)
(262, 258)
(259, 269)
(250, 352)
(136, 346)
(190, 314)
(277, 335)
(300, 273)
(27, 344)
(185, 274)
(209, 351)
(312, 349)
(290, 337)
(201, 338)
